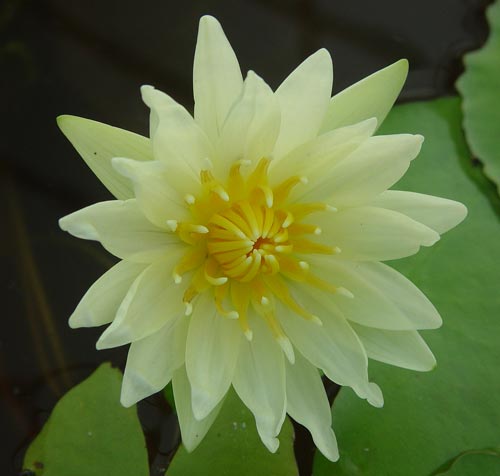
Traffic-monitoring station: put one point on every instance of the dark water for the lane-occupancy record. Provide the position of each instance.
(88, 58)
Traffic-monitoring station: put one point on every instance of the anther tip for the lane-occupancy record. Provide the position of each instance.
(317, 321)
(345, 292)
(337, 250)
(177, 278)
(172, 224)
(189, 199)
(249, 335)
(304, 180)
(264, 301)
(233, 315)
(331, 208)
(189, 309)
(317, 231)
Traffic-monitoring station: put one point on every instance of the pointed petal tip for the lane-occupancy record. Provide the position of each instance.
(270, 442)
(374, 395)
(327, 444)
(202, 402)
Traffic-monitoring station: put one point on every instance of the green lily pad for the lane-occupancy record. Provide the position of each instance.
(480, 89)
(90, 433)
(485, 462)
(233, 447)
(430, 418)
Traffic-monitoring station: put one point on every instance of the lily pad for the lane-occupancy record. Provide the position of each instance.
(233, 447)
(430, 418)
(89, 433)
(480, 89)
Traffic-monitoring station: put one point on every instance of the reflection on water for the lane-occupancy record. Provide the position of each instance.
(88, 58)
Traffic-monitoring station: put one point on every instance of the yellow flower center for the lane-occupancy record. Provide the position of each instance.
(248, 242)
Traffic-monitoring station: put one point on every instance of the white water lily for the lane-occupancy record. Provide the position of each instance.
(251, 238)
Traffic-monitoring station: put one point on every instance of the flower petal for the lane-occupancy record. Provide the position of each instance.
(158, 200)
(192, 430)
(401, 348)
(152, 361)
(308, 404)
(323, 152)
(103, 298)
(217, 79)
(383, 298)
(333, 347)
(373, 96)
(259, 380)
(98, 143)
(377, 164)
(152, 301)
(375, 234)
(211, 354)
(156, 100)
(252, 125)
(122, 229)
(178, 141)
(304, 98)
(437, 213)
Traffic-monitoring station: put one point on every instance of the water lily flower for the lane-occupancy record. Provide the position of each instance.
(251, 239)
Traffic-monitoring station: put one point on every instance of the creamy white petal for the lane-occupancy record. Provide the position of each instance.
(217, 79)
(211, 354)
(259, 380)
(157, 199)
(373, 96)
(333, 347)
(152, 301)
(401, 348)
(251, 127)
(311, 159)
(156, 100)
(373, 167)
(304, 97)
(308, 404)
(180, 143)
(383, 298)
(99, 304)
(122, 229)
(437, 213)
(152, 361)
(375, 234)
(98, 143)
(192, 430)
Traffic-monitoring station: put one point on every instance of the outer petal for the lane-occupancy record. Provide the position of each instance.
(375, 234)
(98, 143)
(103, 298)
(122, 229)
(321, 153)
(217, 79)
(373, 96)
(152, 361)
(333, 347)
(152, 301)
(401, 348)
(308, 405)
(377, 164)
(259, 380)
(437, 213)
(211, 354)
(383, 298)
(157, 199)
(178, 140)
(192, 430)
(252, 125)
(304, 97)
